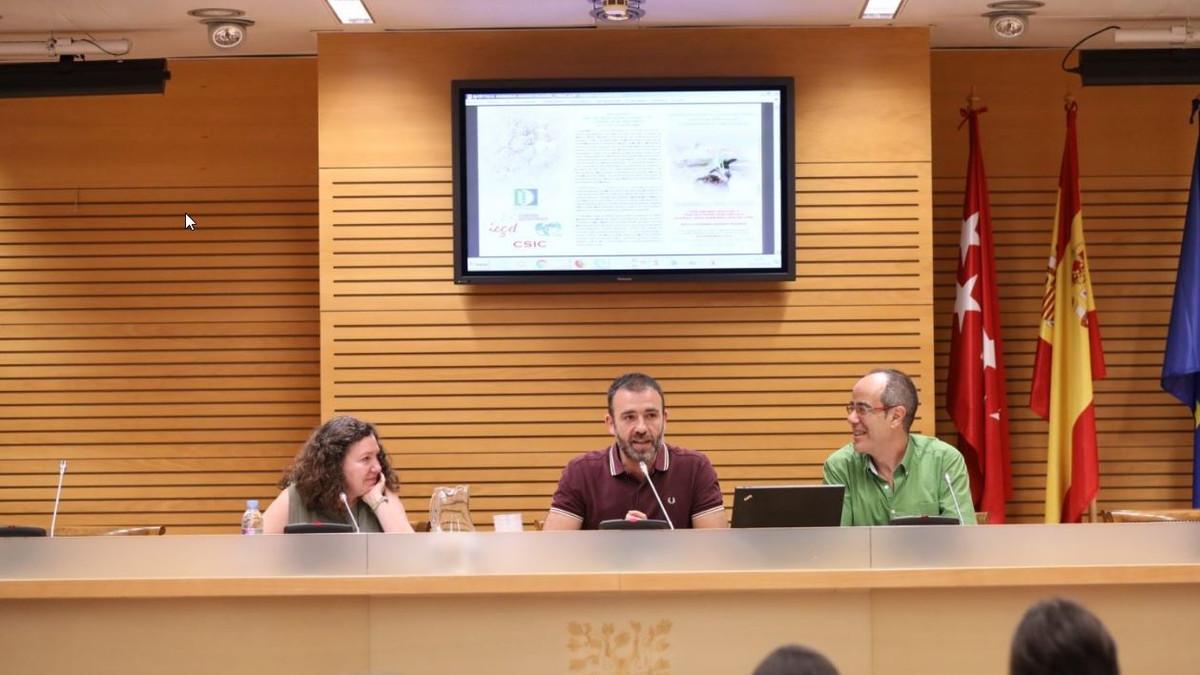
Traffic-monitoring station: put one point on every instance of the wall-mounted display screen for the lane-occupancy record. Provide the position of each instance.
(623, 180)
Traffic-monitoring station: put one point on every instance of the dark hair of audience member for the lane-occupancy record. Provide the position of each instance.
(1060, 637)
(795, 660)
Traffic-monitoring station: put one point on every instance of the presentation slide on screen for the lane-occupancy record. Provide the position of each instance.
(629, 180)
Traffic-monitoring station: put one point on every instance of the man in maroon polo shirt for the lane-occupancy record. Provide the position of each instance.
(608, 484)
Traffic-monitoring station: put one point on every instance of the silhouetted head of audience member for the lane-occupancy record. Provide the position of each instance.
(795, 660)
(1060, 637)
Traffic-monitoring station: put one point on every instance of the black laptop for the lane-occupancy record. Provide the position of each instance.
(788, 506)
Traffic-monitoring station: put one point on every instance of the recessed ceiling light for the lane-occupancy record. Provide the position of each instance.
(881, 9)
(216, 13)
(1024, 5)
(350, 11)
(617, 10)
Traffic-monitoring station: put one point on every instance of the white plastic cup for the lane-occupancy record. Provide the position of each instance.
(508, 522)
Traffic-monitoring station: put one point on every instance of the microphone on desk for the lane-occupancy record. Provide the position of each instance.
(349, 511)
(646, 473)
(62, 470)
(953, 496)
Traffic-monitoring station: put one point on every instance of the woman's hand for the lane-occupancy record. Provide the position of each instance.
(375, 495)
(387, 507)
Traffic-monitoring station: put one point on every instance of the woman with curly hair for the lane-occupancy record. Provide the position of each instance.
(343, 456)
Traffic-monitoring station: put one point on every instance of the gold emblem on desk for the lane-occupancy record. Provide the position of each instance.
(637, 650)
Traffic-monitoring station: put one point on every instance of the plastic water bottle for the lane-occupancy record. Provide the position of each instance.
(252, 521)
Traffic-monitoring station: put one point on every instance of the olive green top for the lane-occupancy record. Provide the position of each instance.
(299, 513)
(919, 488)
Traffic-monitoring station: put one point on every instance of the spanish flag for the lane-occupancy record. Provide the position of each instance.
(1069, 355)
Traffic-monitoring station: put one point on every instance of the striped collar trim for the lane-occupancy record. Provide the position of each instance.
(662, 460)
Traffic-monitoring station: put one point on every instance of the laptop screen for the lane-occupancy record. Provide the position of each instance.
(788, 506)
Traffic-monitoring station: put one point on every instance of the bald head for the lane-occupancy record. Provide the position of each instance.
(894, 389)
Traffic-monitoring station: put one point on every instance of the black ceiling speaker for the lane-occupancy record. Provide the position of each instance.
(69, 77)
(1110, 67)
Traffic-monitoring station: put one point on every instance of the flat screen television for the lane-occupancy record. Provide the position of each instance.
(623, 180)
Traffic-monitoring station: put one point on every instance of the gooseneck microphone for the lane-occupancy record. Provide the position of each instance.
(349, 511)
(953, 496)
(646, 473)
(62, 470)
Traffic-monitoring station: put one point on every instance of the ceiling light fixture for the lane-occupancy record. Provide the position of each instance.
(1008, 25)
(1010, 18)
(216, 13)
(1017, 5)
(350, 11)
(227, 33)
(876, 10)
(617, 10)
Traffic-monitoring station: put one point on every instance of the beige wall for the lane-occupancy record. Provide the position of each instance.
(1135, 152)
(499, 386)
(175, 370)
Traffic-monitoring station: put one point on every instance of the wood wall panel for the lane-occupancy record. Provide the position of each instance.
(235, 122)
(499, 386)
(177, 371)
(1135, 159)
(862, 94)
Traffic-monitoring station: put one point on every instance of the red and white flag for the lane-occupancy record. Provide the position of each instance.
(975, 389)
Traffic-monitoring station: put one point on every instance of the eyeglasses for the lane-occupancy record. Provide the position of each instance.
(863, 409)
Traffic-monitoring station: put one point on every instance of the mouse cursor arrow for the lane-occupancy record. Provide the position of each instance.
(188, 222)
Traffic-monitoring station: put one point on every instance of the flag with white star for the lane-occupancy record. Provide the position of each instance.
(976, 395)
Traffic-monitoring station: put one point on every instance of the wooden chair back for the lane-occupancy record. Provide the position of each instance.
(1149, 515)
(150, 530)
(100, 530)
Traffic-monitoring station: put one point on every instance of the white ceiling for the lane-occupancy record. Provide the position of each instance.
(163, 28)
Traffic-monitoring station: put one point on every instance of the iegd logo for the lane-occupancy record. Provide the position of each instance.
(525, 197)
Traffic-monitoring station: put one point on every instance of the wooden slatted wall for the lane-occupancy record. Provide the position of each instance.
(177, 371)
(499, 386)
(1135, 158)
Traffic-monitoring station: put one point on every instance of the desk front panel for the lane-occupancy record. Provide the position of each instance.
(875, 600)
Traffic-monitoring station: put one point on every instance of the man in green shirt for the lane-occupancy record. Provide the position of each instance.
(889, 472)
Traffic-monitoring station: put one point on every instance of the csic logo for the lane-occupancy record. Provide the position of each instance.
(548, 229)
(525, 197)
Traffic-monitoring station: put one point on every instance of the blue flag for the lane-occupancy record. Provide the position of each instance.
(1181, 364)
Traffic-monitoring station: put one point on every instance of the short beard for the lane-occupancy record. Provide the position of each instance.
(648, 457)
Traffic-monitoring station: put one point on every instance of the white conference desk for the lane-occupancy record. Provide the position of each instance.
(896, 600)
